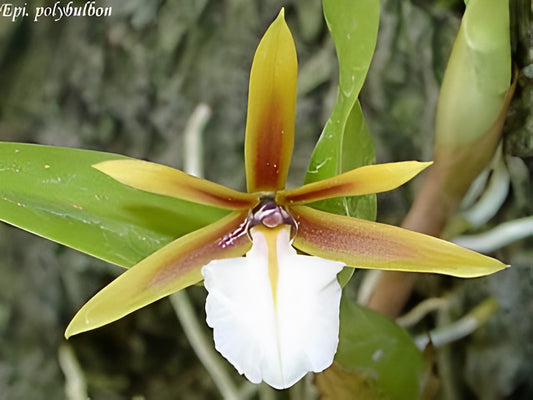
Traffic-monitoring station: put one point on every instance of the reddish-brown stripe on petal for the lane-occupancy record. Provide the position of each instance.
(297, 196)
(268, 151)
(358, 237)
(225, 240)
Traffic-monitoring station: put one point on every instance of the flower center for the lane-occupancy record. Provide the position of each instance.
(271, 215)
(268, 214)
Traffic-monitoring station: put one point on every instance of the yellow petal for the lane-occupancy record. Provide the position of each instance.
(160, 179)
(365, 244)
(364, 180)
(271, 109)
(168, 270)
(279, 319)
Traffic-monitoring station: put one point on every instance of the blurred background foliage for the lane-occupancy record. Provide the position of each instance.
(129, 83)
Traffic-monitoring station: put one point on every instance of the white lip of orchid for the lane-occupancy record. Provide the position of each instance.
(275, 314)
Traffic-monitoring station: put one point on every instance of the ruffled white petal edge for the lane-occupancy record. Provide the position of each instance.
(275, 319)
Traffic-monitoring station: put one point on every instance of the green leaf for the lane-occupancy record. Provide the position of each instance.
(376, 359)
(55, 193)
(346, 143)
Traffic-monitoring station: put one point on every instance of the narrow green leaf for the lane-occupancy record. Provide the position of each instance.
(55, 193)
(345, 142)
(376, 359)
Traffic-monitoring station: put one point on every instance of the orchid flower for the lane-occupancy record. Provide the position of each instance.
(274, 312)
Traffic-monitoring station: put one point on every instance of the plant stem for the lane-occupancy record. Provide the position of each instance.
(460, 328)
(421, 310)
(75, 384)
